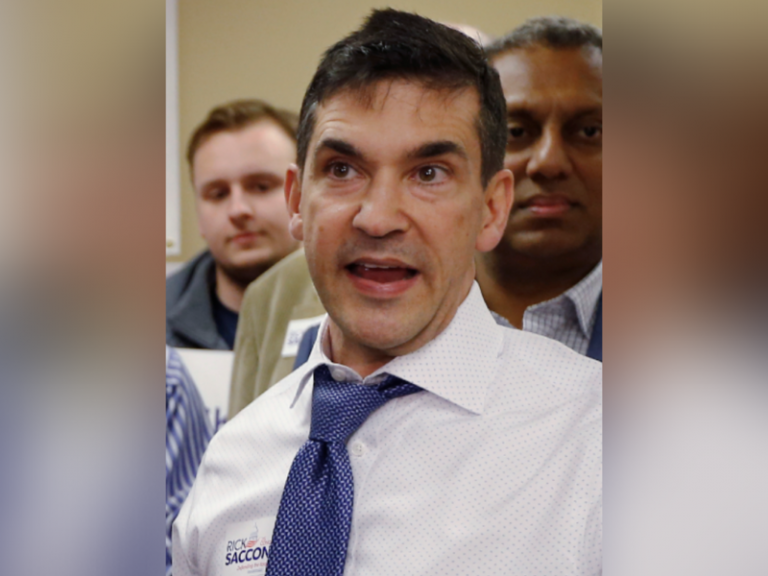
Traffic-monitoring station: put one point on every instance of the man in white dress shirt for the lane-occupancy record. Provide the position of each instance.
(484, 456)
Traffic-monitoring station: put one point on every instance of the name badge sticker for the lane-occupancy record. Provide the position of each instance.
(296, 329)
(246, 547)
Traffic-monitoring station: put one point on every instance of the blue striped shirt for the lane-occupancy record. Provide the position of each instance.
(187, 433)
(570, 317)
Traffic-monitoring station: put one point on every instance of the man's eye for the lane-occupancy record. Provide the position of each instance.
(217, 194)
(591, 132)
(258, 187)
(428, 173)
(516, 132)
(341, 171)
(431, 174)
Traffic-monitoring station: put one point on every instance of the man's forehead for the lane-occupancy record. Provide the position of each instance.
(259, 147)
(443, 110)
(408, 93)
(265, 137)
(543, 69)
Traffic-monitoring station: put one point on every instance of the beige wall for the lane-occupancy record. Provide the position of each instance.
(269, 49)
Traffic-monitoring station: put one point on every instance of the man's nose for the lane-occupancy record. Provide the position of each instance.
(381, 209)
(239, 207)
(550, 158)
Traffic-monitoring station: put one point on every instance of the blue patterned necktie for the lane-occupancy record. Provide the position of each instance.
(313, 522)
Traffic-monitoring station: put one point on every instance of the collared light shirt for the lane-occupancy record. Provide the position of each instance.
(570, 317)
(187, 433)
(495, 468)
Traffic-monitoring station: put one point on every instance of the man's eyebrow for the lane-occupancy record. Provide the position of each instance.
(519, 112)
(263, 175)
(208, 184)
(529, 111)
(258, 175)
(432, 149)
(340, 146)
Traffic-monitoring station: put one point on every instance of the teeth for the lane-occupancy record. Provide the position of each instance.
(377, 266)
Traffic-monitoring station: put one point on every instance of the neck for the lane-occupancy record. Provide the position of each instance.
(229, 291)
(509, 290)
(362, 359)
(365, 358)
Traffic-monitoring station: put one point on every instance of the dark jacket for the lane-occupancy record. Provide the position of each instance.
(189, 321)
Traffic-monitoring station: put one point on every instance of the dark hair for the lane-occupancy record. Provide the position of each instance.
(399, 45)
(237, 115)
(550, 31)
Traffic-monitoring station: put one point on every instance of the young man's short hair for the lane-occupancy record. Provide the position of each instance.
(237, 115)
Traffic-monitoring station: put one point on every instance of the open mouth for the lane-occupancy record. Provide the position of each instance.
(381, 273)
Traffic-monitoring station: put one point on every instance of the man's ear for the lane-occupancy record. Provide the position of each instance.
(498, 198)
(293, 201)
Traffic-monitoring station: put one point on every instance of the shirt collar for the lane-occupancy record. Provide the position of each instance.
(584, 297)
(458, 365)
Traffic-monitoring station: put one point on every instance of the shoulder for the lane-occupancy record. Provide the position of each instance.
(292, 273)
(178, 380)
(266, 423)
(192, 273)
(283, 292)
(553, 395)
(540, 371)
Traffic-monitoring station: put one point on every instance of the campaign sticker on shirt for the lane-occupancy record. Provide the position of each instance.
(246, 548)
(296, 329)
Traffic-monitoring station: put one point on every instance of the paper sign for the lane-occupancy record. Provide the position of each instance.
(212, 372)
(296, 329)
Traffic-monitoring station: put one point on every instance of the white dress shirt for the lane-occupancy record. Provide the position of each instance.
(494, 469)
(570, 317)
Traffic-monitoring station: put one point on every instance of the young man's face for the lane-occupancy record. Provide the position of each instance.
(555, 150)
(391, 209)
(239, 178)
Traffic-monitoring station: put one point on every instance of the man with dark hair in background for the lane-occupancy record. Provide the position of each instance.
(546, 274)
(238, 158)
(420, 437)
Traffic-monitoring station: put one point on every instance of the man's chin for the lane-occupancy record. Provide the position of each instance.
(389, 334)
(244, 274)
(546, 244)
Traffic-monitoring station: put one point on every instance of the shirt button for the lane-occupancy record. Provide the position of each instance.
(338, 374)
(358, 449)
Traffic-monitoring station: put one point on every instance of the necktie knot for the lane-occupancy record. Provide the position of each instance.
(340, 408)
